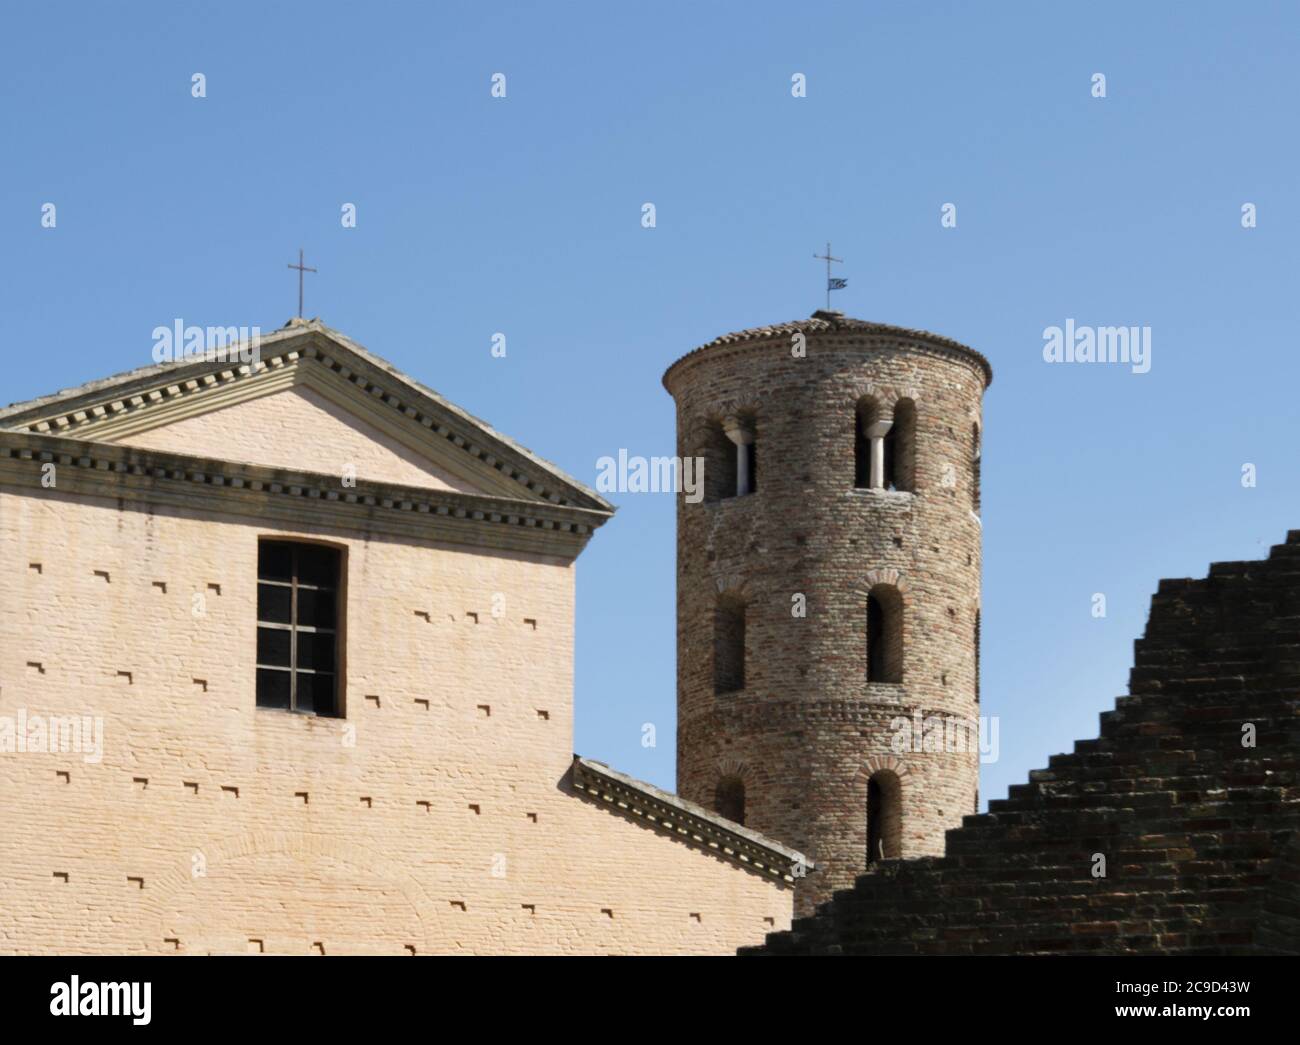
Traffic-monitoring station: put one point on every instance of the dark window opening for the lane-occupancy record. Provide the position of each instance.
(884, 817)
(729, 646)
(884, 634)
(861, 452)
(729, 799)
(298, 627)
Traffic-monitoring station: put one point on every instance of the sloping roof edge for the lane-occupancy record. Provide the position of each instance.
(296, 334)
(690, 822)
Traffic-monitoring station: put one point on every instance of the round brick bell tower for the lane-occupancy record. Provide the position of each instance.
(828, 588)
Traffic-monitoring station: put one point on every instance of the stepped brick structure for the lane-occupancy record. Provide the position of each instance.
(828, 586)
(1190, 796)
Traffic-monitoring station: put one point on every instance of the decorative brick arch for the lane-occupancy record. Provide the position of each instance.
(879, 763)
(885, 575)
(164, 895)
(733, 585)
(733, 767)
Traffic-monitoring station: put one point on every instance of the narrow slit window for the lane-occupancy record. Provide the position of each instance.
(298, 627)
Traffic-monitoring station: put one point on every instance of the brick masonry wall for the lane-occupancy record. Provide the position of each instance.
(1198, 830)
(378, 833)
(808, 729)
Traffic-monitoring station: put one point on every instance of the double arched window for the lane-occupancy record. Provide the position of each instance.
(884, 445)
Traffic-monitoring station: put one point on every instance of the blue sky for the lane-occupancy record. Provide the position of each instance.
(522, 215)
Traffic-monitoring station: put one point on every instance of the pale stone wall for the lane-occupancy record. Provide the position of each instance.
(462, 740)
(297, 428)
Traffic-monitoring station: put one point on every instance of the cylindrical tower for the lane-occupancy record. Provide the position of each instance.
(828, 584)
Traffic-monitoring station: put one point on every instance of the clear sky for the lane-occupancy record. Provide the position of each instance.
(522, 215)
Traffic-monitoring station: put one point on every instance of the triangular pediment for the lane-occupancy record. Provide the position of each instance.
(312, 401)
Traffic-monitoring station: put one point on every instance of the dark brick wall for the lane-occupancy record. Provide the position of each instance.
(1199, 832)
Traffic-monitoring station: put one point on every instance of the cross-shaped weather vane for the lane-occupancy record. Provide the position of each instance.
(832, 282)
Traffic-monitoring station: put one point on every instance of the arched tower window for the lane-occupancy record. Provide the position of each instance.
(900, 448)
(719, 455)
(729, 799)
(884, 634)
(729, 645)
(870, 426)
(884, 817)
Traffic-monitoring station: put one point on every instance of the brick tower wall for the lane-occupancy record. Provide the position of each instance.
(808, 730)
(1198, 828)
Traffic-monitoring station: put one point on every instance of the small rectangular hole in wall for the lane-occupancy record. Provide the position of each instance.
(40, 668)
(695, 917)
(769, 921)
(486, 709)
(104, 575)
(529, 908)
(373, 698)
(215, 589)
(256, 946)
(410, 948)
(608, 912)
(473, 617)
(226, 789)
(143, 781)
(36, 566)
(475, 807)
(161, 586)
(202, 684)
(173, 942)
(422, 702)
(302, 795)
(63, 775)
(424, 804)
(61, 876)
(543, 714)
(458, 904)
(425, 614)
(318, 948)
(130, 679)
(532, 817)
(531, 622)
(191, 785)
(137, 882)
(367, 801)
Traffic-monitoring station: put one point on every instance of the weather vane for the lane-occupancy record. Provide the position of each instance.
(832, 282)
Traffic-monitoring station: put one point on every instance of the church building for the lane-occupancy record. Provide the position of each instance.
(286, 666)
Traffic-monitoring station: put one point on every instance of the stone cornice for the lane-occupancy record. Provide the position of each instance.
(291, 499)
(127, 402)
(690, 822)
